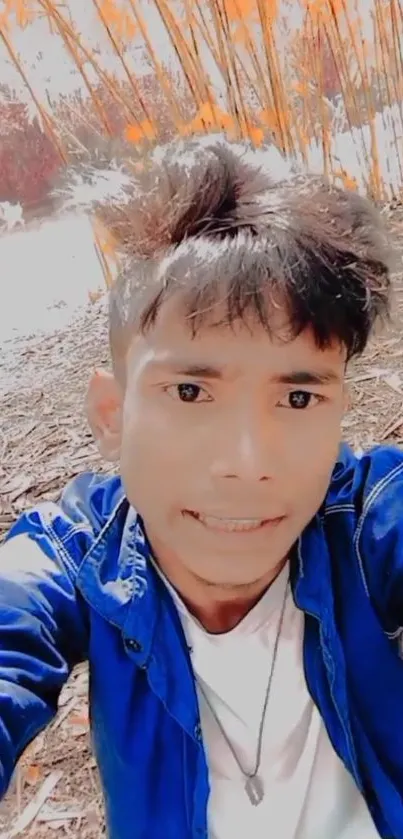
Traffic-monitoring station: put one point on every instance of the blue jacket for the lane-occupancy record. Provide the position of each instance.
(76, 584)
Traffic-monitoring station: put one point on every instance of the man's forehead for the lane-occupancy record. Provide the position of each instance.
(175, 341)
(225, 353)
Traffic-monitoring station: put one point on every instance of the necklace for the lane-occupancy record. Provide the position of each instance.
(253, 782)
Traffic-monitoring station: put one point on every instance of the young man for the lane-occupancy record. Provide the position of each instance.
(238, 589)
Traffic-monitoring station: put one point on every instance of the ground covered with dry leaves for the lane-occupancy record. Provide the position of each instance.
(45, 441)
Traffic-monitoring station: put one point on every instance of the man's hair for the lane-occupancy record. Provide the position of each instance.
(224, 223)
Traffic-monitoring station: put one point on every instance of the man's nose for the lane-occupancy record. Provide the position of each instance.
(247, 449)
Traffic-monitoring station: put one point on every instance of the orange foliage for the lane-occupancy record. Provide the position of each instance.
(255, 134)
(322, 8)
(240, 8)
(118, 18)
(348, 181)
(269, 118)
(209, 116)
(20, 12)
(144, 130)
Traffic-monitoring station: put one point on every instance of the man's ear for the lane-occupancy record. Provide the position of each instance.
(347, 397)
(104, 404)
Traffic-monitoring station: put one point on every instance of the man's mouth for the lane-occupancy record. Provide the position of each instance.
(233, 525)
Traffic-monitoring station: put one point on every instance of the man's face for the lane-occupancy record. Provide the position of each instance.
(228, 441)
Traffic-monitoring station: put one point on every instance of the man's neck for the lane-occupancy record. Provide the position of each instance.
(219, 609)
(218, 616)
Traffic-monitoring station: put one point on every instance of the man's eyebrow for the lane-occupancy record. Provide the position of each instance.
(294, 377)
(192, 370)
(307, 377)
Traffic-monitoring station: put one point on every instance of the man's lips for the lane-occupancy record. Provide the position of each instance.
(237, 524)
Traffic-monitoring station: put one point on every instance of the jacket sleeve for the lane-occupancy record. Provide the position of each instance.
(43, 620)
(379, 535)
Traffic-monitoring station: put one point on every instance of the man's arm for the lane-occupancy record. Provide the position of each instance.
(43, 620)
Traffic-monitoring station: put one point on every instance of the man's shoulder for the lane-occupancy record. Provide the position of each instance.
(366, 493)
(365, 481)
(92, 497)
(87, 506)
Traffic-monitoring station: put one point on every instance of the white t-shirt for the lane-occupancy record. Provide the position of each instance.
(308, 792)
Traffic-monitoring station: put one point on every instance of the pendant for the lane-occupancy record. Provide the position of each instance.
(254, 790)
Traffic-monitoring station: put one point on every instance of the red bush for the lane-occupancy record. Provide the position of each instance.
(29, 160)
(28, 157)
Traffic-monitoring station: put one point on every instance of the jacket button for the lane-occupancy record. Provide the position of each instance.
(198, 731)
(134, 645)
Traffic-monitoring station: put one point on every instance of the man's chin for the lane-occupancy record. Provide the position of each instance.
(236, 578)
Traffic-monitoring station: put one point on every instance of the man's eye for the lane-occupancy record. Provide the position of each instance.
(188, 392)
(300, 400)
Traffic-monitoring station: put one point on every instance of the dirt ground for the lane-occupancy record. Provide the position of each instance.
(45, 441)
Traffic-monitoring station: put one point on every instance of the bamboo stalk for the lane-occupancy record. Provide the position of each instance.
(97, 104)
(379, 14)
(192, 24)
(181, 50)
(240, 111)
(326, 144)
(216, 53)
(261, 92)
(277, 90)
(398, 54)
(161, 75)
(375, 185)
(215, 9)
(67, 33)
(336, 47)
(130, 76)
(46, 119)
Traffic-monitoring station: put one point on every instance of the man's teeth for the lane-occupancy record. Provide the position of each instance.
(230, 525)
